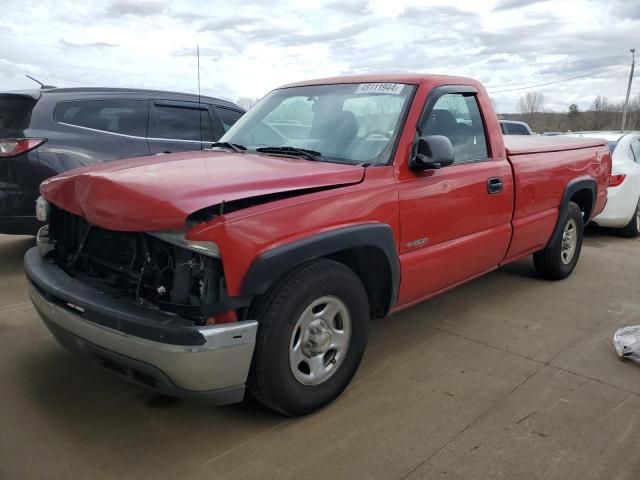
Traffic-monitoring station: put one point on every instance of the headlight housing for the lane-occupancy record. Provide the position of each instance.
(209, 249)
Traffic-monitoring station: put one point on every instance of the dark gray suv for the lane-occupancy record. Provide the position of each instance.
(45, 132)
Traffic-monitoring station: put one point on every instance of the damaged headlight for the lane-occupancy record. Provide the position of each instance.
(42, 209)
(209, 249)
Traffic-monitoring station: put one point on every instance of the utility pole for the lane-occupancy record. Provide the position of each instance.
(626, 102)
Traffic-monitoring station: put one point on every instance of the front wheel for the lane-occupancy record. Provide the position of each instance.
(313, 328)
(558, 260)
(632, 229)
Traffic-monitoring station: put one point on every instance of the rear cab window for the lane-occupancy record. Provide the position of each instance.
(176, 121)
(126, 117)
(517, 129)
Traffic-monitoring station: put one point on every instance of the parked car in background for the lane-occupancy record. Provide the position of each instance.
(263, 262)
(622, 211)
(46, 132)
(513, 127)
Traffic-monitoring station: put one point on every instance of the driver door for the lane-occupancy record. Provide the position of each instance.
(456, 220)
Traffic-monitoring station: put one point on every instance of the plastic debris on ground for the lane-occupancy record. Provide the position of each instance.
(627, 342)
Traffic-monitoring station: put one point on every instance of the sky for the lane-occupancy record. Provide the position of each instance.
(249, 48)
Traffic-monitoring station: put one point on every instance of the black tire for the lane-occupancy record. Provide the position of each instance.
(271, 380)
(632, 229)
(549, 262)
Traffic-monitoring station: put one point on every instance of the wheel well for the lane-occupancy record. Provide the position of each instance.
(372, 267)
(584, 199)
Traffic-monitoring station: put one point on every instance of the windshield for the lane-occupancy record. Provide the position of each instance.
(350, 123)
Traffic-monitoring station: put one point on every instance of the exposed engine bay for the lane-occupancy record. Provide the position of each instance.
(138, 267)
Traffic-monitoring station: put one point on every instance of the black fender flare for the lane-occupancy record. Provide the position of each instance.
(570, 190)
(272, 264)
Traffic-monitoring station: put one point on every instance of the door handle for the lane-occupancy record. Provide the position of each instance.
(494, 185)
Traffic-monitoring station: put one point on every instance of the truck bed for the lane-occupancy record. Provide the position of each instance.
(542, 169)
(525, 144)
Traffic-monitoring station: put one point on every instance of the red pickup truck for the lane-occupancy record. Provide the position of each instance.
(262, 261)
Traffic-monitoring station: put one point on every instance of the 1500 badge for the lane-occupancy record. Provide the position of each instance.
(417, 243)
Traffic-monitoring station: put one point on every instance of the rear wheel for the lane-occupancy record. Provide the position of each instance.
(558, 260)
(313, 328)
(632, 229)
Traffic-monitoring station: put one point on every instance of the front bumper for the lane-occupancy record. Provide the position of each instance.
(209, 363)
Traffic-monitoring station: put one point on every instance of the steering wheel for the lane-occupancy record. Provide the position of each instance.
(371, 133)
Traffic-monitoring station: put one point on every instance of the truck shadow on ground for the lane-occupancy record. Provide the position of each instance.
(76, 380)
(12, 253)
(521, 268)
(74, 402)
(594, 236)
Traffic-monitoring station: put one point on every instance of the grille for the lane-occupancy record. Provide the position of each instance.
(135, 266)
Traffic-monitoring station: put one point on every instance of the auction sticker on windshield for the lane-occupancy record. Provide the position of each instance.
(389, 88)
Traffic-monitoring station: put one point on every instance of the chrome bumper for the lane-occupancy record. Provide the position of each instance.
(214, 371)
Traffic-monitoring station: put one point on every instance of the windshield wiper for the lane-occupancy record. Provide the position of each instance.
(302, 152)
(235, 147)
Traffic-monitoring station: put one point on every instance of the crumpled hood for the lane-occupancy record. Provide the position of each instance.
(159, 192)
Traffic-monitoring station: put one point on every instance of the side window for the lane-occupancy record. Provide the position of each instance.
(127, 117)
(517, 129)
(180, 123)
(228, 117)
(457, 117)
(635, 147)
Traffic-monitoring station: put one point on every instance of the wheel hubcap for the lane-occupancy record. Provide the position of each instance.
(319, 340)
(569, 241)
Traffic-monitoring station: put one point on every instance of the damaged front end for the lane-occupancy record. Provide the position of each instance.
(159, 270)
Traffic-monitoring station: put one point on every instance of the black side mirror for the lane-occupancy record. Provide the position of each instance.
(433, 152)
